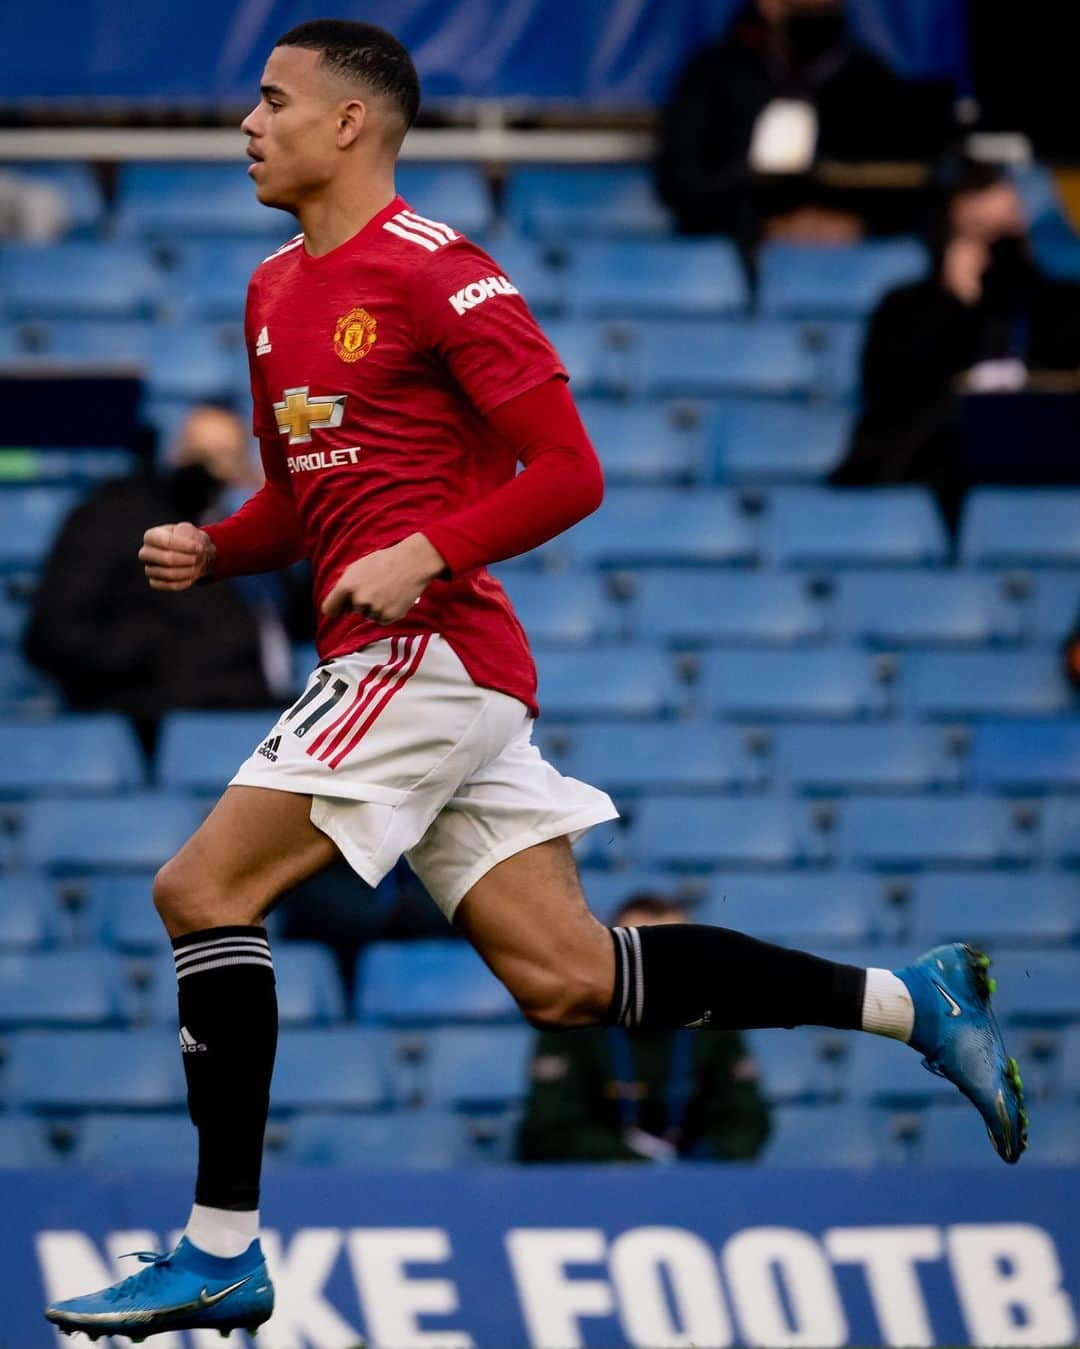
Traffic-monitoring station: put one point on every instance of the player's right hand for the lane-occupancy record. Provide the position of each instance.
(174, 557)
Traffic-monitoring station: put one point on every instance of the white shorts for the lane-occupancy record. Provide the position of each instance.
(403, 754)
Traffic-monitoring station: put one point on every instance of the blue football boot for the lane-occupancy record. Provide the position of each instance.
(957, 1033)
(184, 1290)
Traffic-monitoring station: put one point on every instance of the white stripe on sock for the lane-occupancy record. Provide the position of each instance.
(225, 960)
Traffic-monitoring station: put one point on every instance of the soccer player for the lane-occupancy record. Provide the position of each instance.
(398, 379)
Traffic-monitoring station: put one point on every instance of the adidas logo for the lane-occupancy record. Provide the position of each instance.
(188, 1043)
(262, 343)
(269, 748)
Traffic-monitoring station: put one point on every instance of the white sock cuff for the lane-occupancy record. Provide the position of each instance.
(223, 1232)
(887, 1006)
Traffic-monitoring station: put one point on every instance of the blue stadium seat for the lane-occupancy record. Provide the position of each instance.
(125, 1143)
(139, 831)
(1028, 756)
(23, 1146)
(1036, 987)
(569, 610)
(927, 831)
(569, 203)
(478, 1067)
(614, 681)
(775, 441)
(646, 526)
(1021, 526)
(801, 280)
(905, 608)
(638, 443)
(1061, 830)
(13, 613)
(837, 347)
(590, 364)
(882, 1069)
(425, 982)
(1058, 255)
(958, 1138)
(29, 520)
(22, 688)
(455, 194)
(93, 753)
(1069, 1065)
(833, 682)
(28, 917)
(689, 831)
(801, 1065)
(704, 606)
(823, 1135)
(411, 1139)
(845, 527)
(997, 909)
(682, 358)
(606, 891)
(688, 278)
(802, 907)
(210, 278)
(191, 362)
(78, 280)
(200, 751)
(538, 272)
(83, 205)
(330, 1068)
(96, 1069)
(59, 988)
(656, 757)
(1057, 604)
(897, 757)
(179, 201)
(989, 683)
(126, 917)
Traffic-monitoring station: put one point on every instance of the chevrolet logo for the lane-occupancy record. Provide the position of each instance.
(298, 414)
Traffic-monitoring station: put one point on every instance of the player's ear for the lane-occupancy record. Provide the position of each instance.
(352, 117)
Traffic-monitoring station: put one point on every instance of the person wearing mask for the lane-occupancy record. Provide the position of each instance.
(113, 644)
(607, 1094)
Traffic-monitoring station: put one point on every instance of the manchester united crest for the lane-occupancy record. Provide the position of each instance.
(354, 335)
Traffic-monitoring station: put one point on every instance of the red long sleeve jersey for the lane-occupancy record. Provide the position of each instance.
(372, 369)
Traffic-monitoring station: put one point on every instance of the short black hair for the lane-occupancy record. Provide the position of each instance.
(363, 52)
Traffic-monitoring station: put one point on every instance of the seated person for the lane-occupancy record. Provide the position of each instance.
(786, 88)
(601, 1095)
(986, 313)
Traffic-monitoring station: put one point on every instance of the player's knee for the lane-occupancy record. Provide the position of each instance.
(562, 1000)
(168, 893)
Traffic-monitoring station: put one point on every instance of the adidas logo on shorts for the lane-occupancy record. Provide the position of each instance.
(269, 748)
(188, 1043)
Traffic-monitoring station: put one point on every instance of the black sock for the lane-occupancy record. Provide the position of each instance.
(228, 1035)
(683, 974)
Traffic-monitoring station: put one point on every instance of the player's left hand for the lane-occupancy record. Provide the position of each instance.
(384, 585)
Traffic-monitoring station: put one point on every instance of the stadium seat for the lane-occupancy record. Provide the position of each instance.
(200, 751)
(688, 831)
(78, 280)
(125, 913)
(23, 1146)
(75, 183)
(210, 277)
(139, 831)
(1025, 526)
(928, 831)
(453, 193)
(28, 918)
(614, 682)
(957, 1138)
(657, 757)
(96, 1070)
(1057, 604)
(1036, 987)
(126, 1143)
(29, 520)
(1068, 1082)
(538, 272)
(567, 610)
(906, 608)
(801, 1065)
(412, 1139)
(591, 365)
(989, 683)
(689, 278)
(478, 1067)
(656, 443)
(836, 346)
(187, 361)
(92, 753)
(804, 280)
(424, 982)
(898, 757)
(22, 688)
(1027, 756)
(762, 442)
(647, 526)
(330, 1068)
(823, 1135)
(179, 201)
(13, 612)
(1061, 830)
(831, 682)
(55, 988)
(706, 606)
(882, 1069)
(854, 527)
(606, 891)
(683, 358)
(799, 908)
(568, 203)
(997, 910)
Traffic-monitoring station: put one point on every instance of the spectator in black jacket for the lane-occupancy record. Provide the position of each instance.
(111, 642)
(787, 87)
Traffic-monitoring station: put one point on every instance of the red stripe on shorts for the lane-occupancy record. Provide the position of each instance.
(380, 707)
(388, 674)
(373, 673)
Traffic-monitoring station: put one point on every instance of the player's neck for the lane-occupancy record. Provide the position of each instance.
(329, 220)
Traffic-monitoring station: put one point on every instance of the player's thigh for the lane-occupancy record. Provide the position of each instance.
(253, 846)
(529, 920)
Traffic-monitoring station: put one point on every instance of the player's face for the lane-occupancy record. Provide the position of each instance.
(293, 129)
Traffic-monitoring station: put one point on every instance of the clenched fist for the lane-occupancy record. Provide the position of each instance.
(174, 557)
(384, 585)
